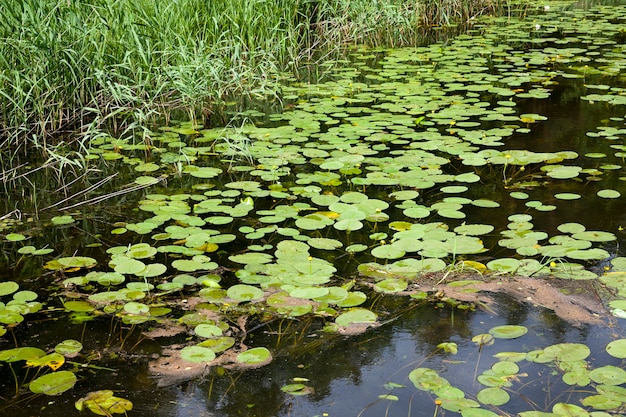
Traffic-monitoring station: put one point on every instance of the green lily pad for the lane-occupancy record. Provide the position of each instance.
(104, 403)
(68, 347)
(617, 348)
(15, 237)
(296, 389)
(595, 236)
(54, 383)
(567, 196)
(71, 262)
(478, 412)
(324, 243)
(8, 287)
(244, 292)
(197, 354)
(493, 396)
(601, 402)
(358, 315)
(391, 285)
(146, 180)
(570, 410)
(207, 330)
(426, 379)
(387, 252)
(608, 375)
(609, 194)
(124, 265)
(506, 265)
(61, 220)
(508, 331)
(571, 228)
(251, 258)
(78, 306)
(255, 357)
(134, 307)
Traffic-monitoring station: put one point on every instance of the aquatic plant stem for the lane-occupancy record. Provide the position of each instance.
(82, 333)
(125, 338)
(480, 351)
(17, 385)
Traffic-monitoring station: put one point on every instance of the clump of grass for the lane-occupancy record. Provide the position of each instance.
(65, 64)
(393, 22)
(119, 64)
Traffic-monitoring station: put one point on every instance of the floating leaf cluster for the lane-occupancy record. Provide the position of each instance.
(595, 388)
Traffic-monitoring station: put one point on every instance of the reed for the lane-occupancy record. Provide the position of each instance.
(77, 65)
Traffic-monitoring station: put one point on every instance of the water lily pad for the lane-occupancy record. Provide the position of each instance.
(519, 195)
(309, 292)
(189, 265)
(357, 247)
(68, 347)
(595, 236)
(508, 331)
(474, 229)
(567, 352)
(124, 265)
(146, 180)
(571, 228)
(255, 357)
(244, 292)
(358, 315)
(608, 375)
(296, 389)
(78, 306)
(426, 379)
(71, 262)
(207, 330)
(609, 194)
(564, 409)
(493, 396)
(387, 252)
(348, 225)
(617, 348)
(390, 285)
(601, 402)
(15, 237)
(141, 251)
(479, 412)
(197, 354)
(506, 265)
(251, 258)
(54, 383)
(202, 172)
(567, 196)
(324, 243)
(52, 360)
(353, 299)
(62, 220)
(8, 287)
(104, 403)
(134, 307)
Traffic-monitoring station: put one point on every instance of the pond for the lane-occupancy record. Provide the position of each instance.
(421, 231)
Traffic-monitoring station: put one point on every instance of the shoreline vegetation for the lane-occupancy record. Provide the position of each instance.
(73, 67)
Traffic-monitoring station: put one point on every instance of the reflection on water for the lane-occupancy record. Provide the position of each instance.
(349, 374)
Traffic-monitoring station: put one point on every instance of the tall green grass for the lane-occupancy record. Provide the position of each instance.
(76, 65)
